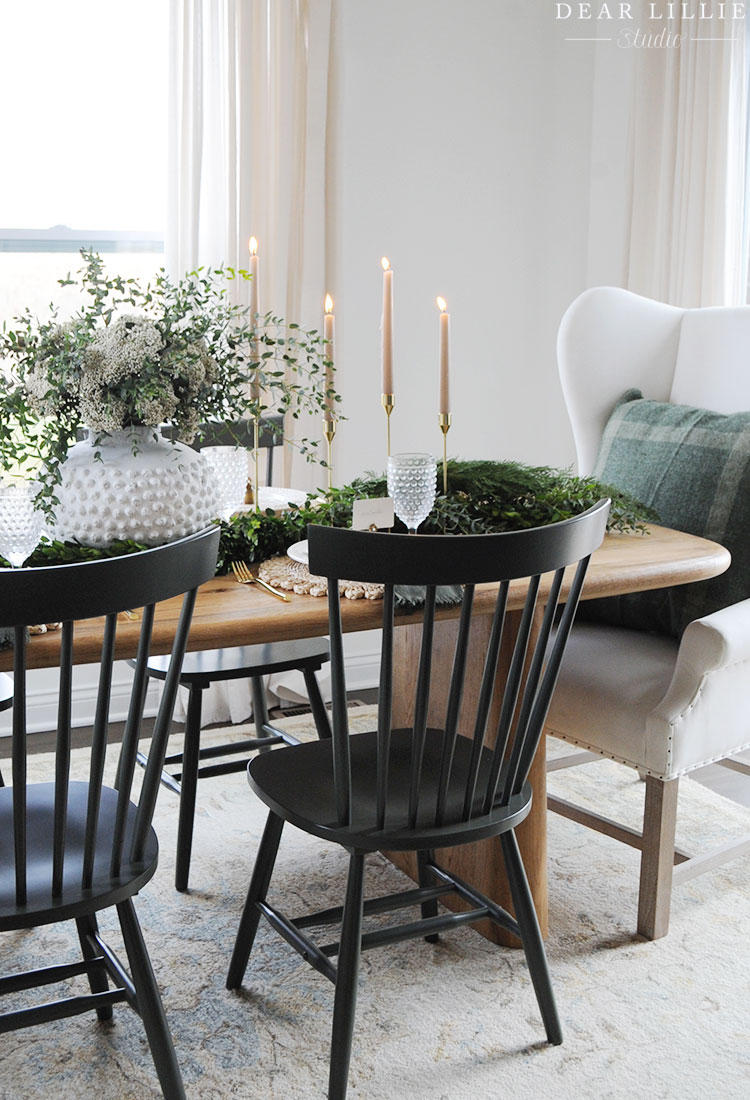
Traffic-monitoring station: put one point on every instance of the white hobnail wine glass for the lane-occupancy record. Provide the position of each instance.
(411, 485)
(228, 466)
(21, 524)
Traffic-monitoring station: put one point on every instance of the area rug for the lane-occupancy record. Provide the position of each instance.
(444, 1021)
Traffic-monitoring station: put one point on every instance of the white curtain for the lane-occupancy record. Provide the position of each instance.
(250, 152)
(251, 146)
(687, 240)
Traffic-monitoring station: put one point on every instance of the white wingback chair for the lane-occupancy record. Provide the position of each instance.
(662, 706)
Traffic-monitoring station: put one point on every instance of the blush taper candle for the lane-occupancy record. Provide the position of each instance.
(328, 336)
(387, 326)
(445, 339)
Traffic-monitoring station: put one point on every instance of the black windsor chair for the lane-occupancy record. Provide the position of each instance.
(420, 789)
(70, 849)
(200, 670)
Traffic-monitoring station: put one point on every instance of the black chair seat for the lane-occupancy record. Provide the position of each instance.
(105, 890)
(241, 661)
(298, 785)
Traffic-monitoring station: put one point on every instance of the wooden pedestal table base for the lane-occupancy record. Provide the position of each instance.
(481, 864)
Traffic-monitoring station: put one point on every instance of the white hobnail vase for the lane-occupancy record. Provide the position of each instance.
(132, 484)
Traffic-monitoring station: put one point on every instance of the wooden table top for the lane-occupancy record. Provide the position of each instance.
(228, 614)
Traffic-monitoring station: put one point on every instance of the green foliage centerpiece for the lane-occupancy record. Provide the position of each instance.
(170, 352)
(483, 497)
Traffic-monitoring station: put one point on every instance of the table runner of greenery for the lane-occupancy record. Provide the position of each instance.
(483, 497)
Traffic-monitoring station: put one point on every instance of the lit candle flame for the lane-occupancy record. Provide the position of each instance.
(441, 304)
(329, 304)
(253, 246)
(385, 263)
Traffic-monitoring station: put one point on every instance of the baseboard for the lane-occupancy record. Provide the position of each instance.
(362, 671)
(362, 666)
(41, 697)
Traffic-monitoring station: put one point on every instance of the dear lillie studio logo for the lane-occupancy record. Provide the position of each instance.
(663, 24)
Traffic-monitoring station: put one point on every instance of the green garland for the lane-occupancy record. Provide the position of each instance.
(483, 497)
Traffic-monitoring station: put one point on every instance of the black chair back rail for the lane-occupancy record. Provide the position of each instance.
(78, 847)
(492, 774)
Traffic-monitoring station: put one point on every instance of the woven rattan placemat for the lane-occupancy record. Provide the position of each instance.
(293, 576)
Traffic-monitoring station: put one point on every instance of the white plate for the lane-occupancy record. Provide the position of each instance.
(298, 551)
(278, 498)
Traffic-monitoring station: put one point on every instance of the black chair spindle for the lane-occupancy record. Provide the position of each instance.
(385, 705)
(342, 776)
(18, 765)
(160, 734)
(62, 755)
(129, 747)
(99, 748)
(421, 702)
(554, 660)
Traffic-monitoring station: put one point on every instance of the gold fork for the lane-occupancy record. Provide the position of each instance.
(244, 576)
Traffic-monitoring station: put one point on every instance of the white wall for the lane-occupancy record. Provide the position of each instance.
(465, 157)
(484, 155)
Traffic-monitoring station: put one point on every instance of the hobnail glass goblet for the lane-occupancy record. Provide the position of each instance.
(411, 486)
(228, 467)
(21, 524)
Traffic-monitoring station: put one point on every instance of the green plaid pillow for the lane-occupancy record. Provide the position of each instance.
(692, 467)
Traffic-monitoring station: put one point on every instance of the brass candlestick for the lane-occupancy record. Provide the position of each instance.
(388, 401)
(444, 420)
(329, 431)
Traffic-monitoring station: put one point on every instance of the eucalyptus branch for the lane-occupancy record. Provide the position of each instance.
(171, 352)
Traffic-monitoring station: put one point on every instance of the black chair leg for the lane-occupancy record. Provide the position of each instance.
(264, 864)
(347, 978)
(319, 712)
(531, 937)
(97, 978)
(260, 710)
(428, 908)
(149, 1004)
(188, 787)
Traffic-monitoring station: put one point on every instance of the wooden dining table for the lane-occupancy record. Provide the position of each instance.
(231, 614)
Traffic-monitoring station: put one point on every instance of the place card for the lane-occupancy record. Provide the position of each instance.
(372, 514)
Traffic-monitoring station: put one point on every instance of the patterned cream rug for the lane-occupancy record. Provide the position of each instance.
(447, 1021)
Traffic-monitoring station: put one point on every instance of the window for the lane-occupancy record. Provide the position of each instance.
(84, 130)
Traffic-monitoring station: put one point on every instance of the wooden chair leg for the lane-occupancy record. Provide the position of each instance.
(319, 712)
(264, 864)
(97, 978)
(188, 787)
(347, 979)
(149, 1004)
(531, 937)
(428, 908)
(657, 857)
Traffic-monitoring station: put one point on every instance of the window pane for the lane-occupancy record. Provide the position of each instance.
(85, 89)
